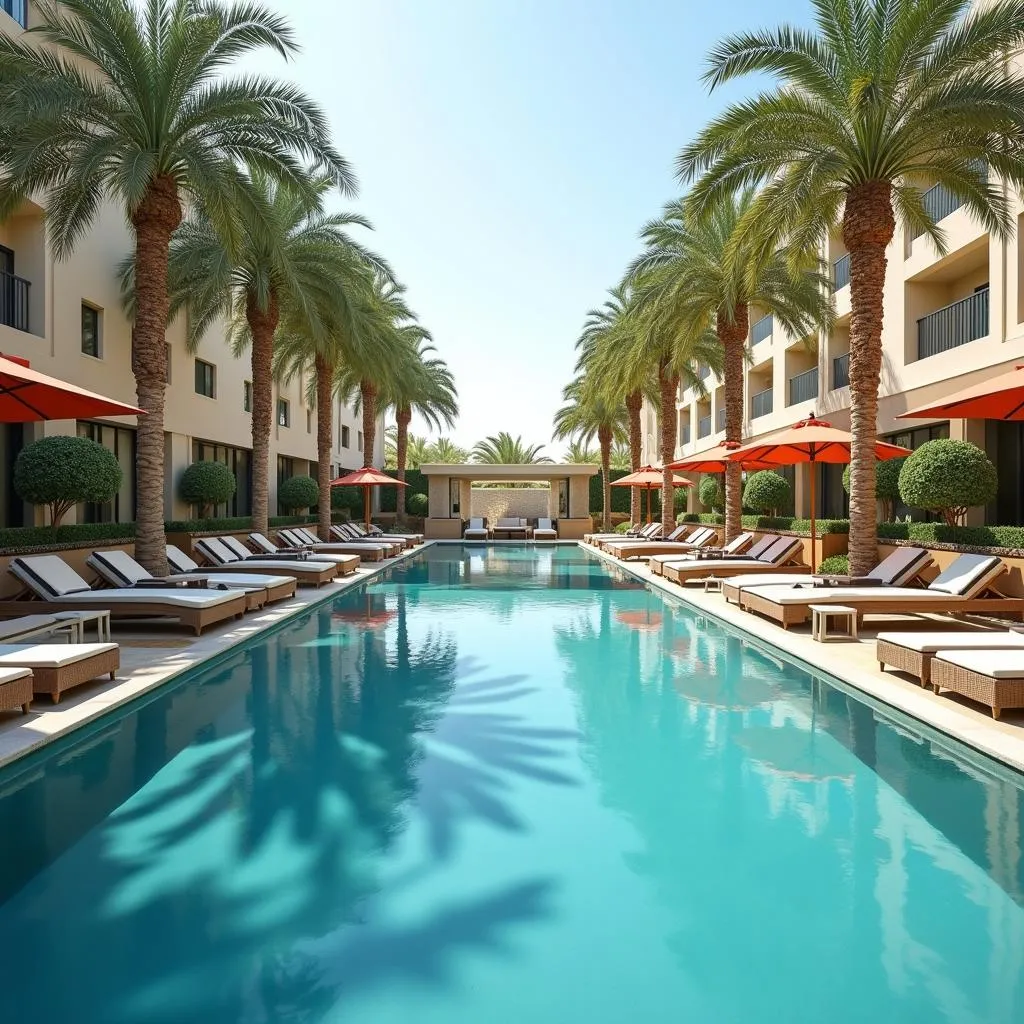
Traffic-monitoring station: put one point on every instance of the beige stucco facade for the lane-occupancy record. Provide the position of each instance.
(41, 320)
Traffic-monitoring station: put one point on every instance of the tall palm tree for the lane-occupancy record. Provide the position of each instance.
(428, 390)
(708, 269)
(588, 415)
(289, 258)
(502, 449)
(446, 452)
(880, 98)
(141, 115)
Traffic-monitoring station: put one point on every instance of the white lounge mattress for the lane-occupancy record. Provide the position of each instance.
(49, 655)
(930, 643)
(181, 597)
(996, 664)
(709, 564)
(12, 675)
(286, 565)
(242, 580)
(762, 580)
(786, 594)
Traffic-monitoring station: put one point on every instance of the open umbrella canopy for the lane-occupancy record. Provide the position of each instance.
(1000, 398)
(26, 396)
(648, 476)
(715, 460)
(366, 478)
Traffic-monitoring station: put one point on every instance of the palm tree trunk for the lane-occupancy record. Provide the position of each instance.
(668, 383)
(732, 333)
(604, 439)
(262, 326)
(634, 403)
(368, 391)
(403, 417)
(155, 221)
(868, 228)
(324, 443)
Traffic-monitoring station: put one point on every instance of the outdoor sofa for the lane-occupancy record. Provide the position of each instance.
(511, 526)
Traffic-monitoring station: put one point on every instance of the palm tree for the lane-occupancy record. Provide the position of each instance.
(622, 457)
(579, 454)
(142, 116)
(502, 449)
(883, 97)
(430, 391)
(446, 452)
(416, 449)
(588, 415)
(288, 259)
(708, 270)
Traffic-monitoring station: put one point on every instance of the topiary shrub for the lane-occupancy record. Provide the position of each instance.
(711, 493)
(298, 493)
(624, 527)
(766, 492)
(948, 477)
(59, 472)
(417, 505)
(206, 485)
(835, 565)
(887, 485)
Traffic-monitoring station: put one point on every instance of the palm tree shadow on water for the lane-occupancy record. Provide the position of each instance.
(213, 882)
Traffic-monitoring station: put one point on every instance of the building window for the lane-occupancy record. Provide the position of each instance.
(346, 439)
(283, 413)
(359, 441)
(17, 9)
(285, 471)
(247, 395)
(239, 461)
(120, 441)
(206, 379)
(90, 331)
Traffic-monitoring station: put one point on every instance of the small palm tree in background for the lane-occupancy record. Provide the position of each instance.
(622, 459)
(579, 453)
(881, 98)
(709, 272)
(502, 449)
(140, 115)
(444, 451)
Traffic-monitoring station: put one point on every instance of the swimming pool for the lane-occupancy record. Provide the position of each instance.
(507, 784)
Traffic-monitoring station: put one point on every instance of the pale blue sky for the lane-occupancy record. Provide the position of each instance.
(508, 152)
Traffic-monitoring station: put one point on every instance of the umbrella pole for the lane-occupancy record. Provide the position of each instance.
(366, 505)
(814, 551)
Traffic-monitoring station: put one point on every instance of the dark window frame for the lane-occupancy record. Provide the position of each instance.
(209, 377)
(88, 310)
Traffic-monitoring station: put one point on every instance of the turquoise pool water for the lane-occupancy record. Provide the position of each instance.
(507, 785)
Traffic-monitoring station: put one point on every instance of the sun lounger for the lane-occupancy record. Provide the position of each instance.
(476, 530)
(391, 545)
(296, 542)
(900, 569)
(59, 667)
(652, 531)
(352, 531)
(777, 558)
(278, 587)
(914, 652)
(646, 549)
(737, 547)
(15, 689)
(545, 530)
(25, 627)
(375, 531)
(678, 534)
(346, 562)
(995, 678)
(119, 569)
(958, 589)
(752, 554)
(309, 571)
(58, 588)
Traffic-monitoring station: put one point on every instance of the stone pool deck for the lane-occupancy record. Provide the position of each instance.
(152, 655)
(853, 663)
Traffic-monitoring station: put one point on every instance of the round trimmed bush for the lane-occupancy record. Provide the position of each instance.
(624, 527)
(417, 504)
(298, 493)
(766, 492)
(835, 565)
(59, 472)
(887, 485)
(711, 493)
(207, 485)
(948, 477)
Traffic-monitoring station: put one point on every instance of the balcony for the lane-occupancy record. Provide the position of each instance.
(953, 325)
(803, 387)
(13, 301)
(761, 403)
(841, 272)
(762, 329)
(720, 420)
(17, 9)
(841, 371)
(704, 426)
(939, 202)
(684, 434)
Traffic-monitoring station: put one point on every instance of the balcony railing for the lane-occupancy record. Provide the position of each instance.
(953, 325)
(841, 371)
(804, 386)
(761, 330)
(17, 9)
(720, 420)
(841, 272)
(684, 434)
(704, 426)
(939, 202)
(13, 301)
(761, 403)
(704, 372)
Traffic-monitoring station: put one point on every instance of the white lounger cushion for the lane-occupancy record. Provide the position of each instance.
(25, 624)
(12, 675)
(995, 664)
(929, 643)
(764, 580)
(789, 594)
(967, 574)
(49, 655)
(709, 564)
(192, 597)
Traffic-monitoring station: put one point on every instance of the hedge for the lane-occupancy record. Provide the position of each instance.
(835, 565)
(768, 523)
(963, 536)
(620, 495)
(417, 484)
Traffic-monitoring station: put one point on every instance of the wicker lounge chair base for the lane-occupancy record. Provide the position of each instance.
(15, 689)
(55, 673)
(998, 693)
(915, 653)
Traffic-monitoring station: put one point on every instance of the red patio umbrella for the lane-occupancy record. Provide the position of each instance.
(26, 396)
(811, 440)
(715, 460)
(366, 478)
(999, 398)
(649, 477)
